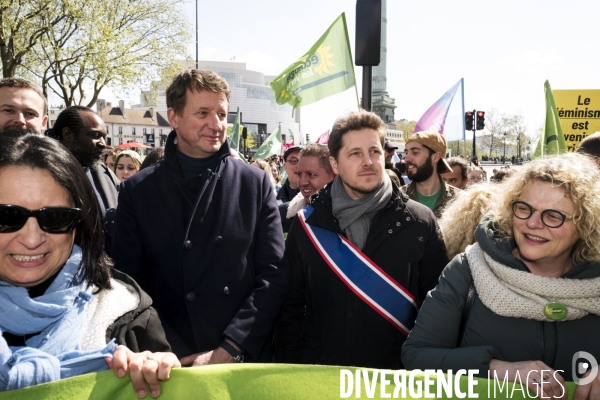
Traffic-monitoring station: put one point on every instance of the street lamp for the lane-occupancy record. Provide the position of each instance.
(504, 157)
(262, 136)
(518, 147)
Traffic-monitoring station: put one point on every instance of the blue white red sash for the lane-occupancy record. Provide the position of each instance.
(363, 276)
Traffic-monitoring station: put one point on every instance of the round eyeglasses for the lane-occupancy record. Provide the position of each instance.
(550, 218)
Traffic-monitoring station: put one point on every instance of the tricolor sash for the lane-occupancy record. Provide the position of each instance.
(369, 282)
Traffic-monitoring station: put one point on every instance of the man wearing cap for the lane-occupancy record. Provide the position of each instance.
(390, 149)
(426, 161)
(290, 189)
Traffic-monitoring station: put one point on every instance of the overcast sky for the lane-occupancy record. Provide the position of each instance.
(504, 50)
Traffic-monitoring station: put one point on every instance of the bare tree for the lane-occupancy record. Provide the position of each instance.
(516, 131)
(494, 131)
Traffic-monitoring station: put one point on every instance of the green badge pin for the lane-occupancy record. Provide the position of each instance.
(556, 311)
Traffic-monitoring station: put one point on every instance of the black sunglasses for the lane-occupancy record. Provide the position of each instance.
(50, 219)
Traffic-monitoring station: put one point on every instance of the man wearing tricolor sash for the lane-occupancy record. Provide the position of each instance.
(361, 256)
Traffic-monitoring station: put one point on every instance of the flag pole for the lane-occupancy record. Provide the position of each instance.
(357, 98)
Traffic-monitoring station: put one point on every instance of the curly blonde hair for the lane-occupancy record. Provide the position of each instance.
(579, 178)
(463, 213)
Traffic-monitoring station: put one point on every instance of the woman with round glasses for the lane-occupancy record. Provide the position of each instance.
(63, 310)
(524, 300)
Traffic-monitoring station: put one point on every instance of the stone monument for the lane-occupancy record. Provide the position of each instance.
(382, 104)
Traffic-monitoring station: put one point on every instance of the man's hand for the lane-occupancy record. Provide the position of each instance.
(217, 356)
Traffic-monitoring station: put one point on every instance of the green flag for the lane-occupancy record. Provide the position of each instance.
(553, 140)
(273, 145)
(326, 69)
(234, 139)
(243, 158)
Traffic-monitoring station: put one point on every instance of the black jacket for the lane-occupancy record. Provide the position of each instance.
(208, 250)
(139, 329)
(432, 342)
(322, 320)
(395, 170)
(286, 193)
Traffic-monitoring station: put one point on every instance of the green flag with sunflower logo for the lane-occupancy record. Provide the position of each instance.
(326, 69)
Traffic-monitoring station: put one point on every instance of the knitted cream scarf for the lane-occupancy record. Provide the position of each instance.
(512, 293)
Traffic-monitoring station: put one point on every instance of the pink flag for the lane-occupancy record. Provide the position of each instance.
(287, 146)
(324, 138)
(446, 116)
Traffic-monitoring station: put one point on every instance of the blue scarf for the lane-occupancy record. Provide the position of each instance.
(59, 317)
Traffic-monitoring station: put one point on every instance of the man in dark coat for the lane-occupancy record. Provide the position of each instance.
(323, 320)
(313, 172)
(82, 131)
(290, 189)
(390, 150)
(200, 232)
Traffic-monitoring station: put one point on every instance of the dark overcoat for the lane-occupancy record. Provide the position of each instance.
(433, 341)
(322, 320)
(106, 183)
(208, 249)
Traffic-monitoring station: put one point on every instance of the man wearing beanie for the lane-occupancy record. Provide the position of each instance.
(425, 162)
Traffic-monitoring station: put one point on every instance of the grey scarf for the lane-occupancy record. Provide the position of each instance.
(355, 216)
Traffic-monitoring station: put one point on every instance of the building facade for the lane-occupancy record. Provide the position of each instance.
(251, 92)
(123, 125)
(144, 126)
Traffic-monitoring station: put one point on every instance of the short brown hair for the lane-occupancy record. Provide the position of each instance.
(24, 84)
(590, 145)
(462, 163)
(354, 121)
(321, 152)
(193, 79)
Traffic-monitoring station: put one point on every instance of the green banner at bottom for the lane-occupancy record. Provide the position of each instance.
(276, 381)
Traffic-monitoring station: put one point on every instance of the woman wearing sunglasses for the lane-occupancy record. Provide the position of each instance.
(525, 298)
(63, 310)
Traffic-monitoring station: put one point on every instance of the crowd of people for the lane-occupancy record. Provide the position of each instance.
(191, 257)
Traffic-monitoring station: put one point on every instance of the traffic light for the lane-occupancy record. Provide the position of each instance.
(307, 138)
(480, 120)
(469, 120)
